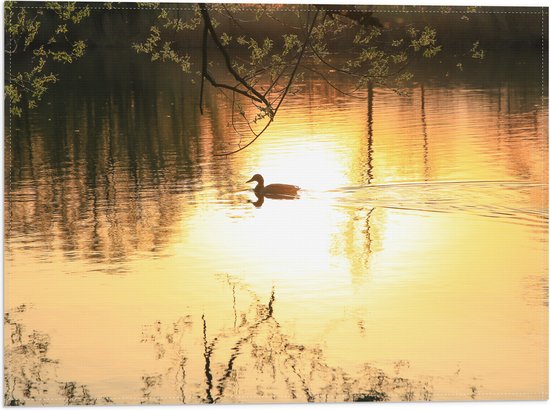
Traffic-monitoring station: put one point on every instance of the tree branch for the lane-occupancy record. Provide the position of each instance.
(213, 81)
(227, 59)
(290, 81)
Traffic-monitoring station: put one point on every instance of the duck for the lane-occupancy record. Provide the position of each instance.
(274, 191)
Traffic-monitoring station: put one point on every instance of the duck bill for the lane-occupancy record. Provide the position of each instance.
(250, 180)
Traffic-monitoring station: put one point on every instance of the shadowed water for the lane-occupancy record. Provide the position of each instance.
(411, 267)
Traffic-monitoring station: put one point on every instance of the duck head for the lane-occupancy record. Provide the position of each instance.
(258, 178)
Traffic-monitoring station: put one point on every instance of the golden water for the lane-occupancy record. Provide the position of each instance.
(413, 266)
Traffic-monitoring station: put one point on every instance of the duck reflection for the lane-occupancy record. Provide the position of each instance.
(259, 200)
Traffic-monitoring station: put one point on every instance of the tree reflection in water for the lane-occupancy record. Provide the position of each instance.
(29, 372)
(249, 358)
(256, 361)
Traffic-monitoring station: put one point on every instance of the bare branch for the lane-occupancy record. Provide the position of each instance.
(285, 92)
(227, 59)
(212, 81)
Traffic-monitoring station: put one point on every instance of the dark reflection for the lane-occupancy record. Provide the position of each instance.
(77, 394)
(362, 240)
(425, 146)
(150, 382)
(261, 198)
(370, 150)
(368, 235)
(257, 359)
(30, 373)
(99, 167)
(103, 168)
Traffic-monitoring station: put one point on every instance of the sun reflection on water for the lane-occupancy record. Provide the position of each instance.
(418, 241)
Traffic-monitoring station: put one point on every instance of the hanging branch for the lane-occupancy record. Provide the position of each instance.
(253, 93)
(285, 91)
(265, 84)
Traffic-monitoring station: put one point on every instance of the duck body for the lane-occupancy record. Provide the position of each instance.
(274, 191)
(277, 189)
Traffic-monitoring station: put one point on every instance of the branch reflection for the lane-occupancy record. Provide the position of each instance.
(257, 361)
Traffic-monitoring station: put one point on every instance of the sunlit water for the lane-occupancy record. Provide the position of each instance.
(412, 267)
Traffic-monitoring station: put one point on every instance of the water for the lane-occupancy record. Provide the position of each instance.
(412, 267)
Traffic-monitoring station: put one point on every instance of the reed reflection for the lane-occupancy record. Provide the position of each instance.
(106, 175)
(424, 133)
(257, 360)
(30, 373)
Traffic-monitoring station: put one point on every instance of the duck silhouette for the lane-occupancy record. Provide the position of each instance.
(259, 201)
(273, 191)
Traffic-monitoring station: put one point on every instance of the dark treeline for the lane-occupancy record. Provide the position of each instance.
(494, 27)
